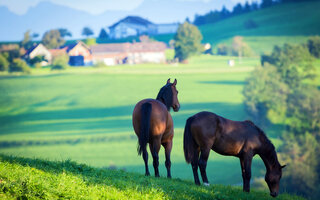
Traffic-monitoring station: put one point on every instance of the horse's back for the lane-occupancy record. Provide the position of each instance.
(160, 118)
(225, 136)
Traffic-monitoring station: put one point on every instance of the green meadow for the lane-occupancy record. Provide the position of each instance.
(84, 114)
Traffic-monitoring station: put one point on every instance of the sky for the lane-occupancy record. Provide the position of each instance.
(94, 7)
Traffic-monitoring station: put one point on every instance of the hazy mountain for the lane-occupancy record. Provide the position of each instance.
(46, 15)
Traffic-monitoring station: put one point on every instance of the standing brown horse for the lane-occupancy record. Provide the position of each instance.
(153, 124)
(206, 130)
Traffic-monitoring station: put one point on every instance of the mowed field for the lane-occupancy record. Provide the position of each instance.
(84, 114)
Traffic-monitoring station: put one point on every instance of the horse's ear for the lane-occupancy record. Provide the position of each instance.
(175, 82)
(168, 81)
(283, 166)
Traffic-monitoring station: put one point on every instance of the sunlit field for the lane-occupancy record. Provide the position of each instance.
(84, 114)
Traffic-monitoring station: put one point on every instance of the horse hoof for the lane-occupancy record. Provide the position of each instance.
(206, 184)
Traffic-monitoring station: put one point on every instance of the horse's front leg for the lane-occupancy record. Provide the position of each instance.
(245, 163)
(168, 146)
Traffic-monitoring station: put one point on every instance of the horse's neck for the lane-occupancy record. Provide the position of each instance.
(269, 157)
(168, 108)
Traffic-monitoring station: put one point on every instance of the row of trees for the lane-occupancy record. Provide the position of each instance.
(283, 90)
(56, 37)
(238, 9)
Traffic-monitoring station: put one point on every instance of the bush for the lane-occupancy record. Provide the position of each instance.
(100, 64)
(314, 46)
(223, 50)
(36, 59)
(250, 24)
(60, 62)
(19, 65)
(4, 63)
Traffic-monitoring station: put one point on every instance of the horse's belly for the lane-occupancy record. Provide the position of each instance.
(227, 148)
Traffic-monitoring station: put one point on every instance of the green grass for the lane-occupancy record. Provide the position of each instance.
(285, 23)
(85, 113)
(23, 178)
(292, 22)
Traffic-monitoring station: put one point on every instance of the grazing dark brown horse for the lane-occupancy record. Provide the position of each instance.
(205, 131)
(153, 124)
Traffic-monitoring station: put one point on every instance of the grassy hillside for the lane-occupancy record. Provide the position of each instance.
(85, 113)
(22, 178)
(290, 22)
(285, 23)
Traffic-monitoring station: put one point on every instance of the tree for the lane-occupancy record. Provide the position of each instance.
(64, 32)
(314, 46)
(187, 41)
(27, 40)
(90, 41)
(265, 95)
(4, 64)
(237, 9)
(52, 39)
(240, 48)
(294, 63)
(19, 65)
(281, 93)
(103, 35)
(247, 7)
(86, 31)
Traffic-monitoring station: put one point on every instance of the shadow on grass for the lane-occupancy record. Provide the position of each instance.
(90, 121)
(101, 118)
(124, 181)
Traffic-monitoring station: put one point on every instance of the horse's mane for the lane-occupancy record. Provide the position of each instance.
(165, 95)
(268, 149)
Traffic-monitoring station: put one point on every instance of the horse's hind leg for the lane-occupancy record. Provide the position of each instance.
(168, 146)
(195, 164)
(154, 148)
(145, 159)
(203, 165)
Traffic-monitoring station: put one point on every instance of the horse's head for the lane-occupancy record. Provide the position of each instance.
(272, 178)
(168, 95)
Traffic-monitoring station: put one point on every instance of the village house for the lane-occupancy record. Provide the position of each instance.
(135, 26)
(39, 50)
(130, 53)
(79, 54)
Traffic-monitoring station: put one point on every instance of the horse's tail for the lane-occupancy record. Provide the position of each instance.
(144, 127)
(189, 145)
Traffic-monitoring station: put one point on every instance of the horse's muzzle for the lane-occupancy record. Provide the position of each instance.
(274, 194)
(176, 108)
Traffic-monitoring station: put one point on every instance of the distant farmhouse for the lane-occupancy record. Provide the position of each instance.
(109, 54)
(39, 50)
(135, 26)
(130, 53)
(79, 54)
